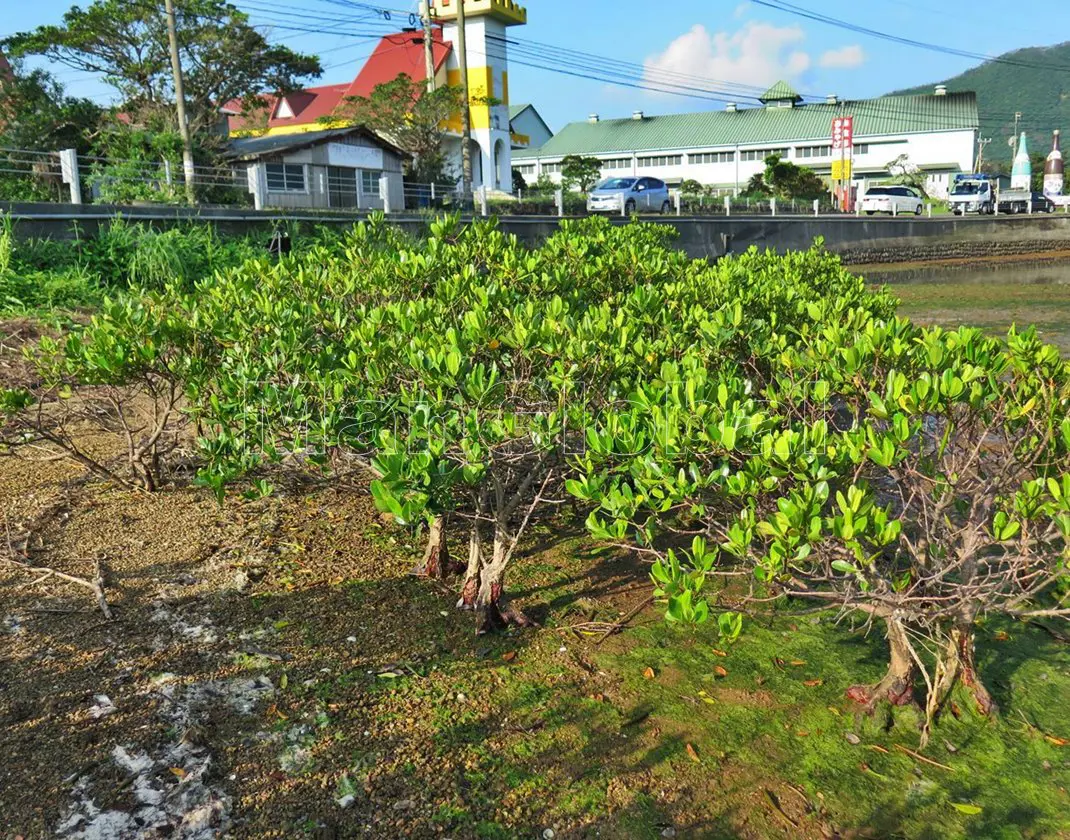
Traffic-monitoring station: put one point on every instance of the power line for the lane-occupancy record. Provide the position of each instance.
(798, 11)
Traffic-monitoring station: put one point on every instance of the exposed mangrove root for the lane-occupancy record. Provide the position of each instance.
(436, 562)
(897, 685)
(957, 664)
(497, 612)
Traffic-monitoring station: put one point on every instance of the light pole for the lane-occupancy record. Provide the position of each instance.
(180, 102)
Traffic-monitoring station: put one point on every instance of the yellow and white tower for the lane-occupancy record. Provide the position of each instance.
(488, 82)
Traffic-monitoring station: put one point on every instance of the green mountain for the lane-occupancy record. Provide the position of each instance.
(1041, 95)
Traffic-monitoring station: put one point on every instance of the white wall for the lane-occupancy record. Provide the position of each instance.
(949, 147)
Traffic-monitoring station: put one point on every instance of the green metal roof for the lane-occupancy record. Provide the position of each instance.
(780, 92)
(887, 115)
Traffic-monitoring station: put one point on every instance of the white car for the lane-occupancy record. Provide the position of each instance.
(893, 200)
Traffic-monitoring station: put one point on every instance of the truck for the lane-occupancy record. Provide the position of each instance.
(972, 194)
(980, 193)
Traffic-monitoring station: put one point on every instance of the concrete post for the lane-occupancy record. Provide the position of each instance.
(817, 205)
(384, 193)
(483, 199)
(68, 165)
(254, 174)
(679, 200)
(728, 205)
(432, 192)
(895, 209)
(1030, 211)
(772, 206)
(623, 206)
(559, 197)
(929, 210)
(167, 178)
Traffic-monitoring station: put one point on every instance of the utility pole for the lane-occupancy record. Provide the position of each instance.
(466, 116)
(180, 102)
(981, 143)
(429, 51)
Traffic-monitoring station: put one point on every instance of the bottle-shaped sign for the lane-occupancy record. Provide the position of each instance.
(1022, 170)
(1053, 170)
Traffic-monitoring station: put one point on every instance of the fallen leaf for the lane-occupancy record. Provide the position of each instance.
(853, 739)
(719, 652)
(648, 673)
(778, 662)
(878, 748)
(798, 663)
(509, 655)
(1001, 636)
(1059, 742)
(834, 710)
(720, 671)
(966, 808)
(178, 771)
(951, 748)
(598, 698)
(812, 683)
(709, 700)
(692, 754)
(802, 733)
(955, 710)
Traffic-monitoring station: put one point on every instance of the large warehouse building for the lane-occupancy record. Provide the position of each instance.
(935, 133)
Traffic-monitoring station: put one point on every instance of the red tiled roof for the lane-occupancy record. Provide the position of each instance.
(397, 54)
(402, 52)
(308, 106)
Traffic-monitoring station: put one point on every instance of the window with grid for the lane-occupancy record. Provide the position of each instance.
(712, 157)
(813, 151)
(285, 177)
(661, 160)
(526, 168)
(861, 148)
(762, 154)
(369, 182)
(617, 163)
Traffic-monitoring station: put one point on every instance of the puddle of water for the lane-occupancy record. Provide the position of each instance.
(993, 296)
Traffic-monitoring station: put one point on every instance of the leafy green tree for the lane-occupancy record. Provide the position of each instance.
(223, 57)
(36, 113)
(518, 181)
(756, 187)
(788, 181)
(544, 184)
(581, 172)
(692, 187)
(411, 117)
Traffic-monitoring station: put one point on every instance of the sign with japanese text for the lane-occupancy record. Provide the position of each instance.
(843, 135)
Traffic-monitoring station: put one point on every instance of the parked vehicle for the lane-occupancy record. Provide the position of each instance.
(1024, 201)
(972, 194)
(894, 200)
(630, 195)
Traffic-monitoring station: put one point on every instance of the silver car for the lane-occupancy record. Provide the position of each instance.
(630, 195)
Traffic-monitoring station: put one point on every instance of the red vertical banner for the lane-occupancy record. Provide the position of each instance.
(843, 150)
(843, 130)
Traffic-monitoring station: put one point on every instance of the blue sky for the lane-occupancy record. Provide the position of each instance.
(730, 41)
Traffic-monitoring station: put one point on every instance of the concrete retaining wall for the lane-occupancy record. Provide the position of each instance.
(859, 240)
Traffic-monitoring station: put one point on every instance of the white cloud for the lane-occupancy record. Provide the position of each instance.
(844, 58)
(758, 55)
